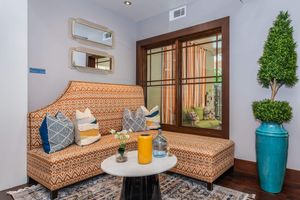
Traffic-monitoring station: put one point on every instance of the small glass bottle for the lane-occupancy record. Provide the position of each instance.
(160, 145)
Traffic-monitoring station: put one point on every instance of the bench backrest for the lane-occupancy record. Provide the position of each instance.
(106, 101)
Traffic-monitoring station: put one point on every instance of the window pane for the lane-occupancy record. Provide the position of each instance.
(218, 65)
(103, 63)
(161, 82)
(153, 97)
(209, 39)
(202, 106)
(148, 67)
(201, 80)
(202, 83)
(164, 96)
(161, 63)
(159, 49)
(156, 66)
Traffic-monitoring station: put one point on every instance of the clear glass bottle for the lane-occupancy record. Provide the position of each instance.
(160, 145)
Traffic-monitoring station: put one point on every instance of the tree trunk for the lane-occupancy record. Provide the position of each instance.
(274, 87)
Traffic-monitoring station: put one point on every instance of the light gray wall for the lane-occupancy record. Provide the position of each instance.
(49, 43)
(198, 12)
(249, 24)
(13, 81)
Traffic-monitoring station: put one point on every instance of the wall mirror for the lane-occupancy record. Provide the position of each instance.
(90, 32)
(91, 59)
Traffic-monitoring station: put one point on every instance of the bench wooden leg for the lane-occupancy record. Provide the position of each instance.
(209, 186)
(53, 194)
(230, 170)
(31, 181)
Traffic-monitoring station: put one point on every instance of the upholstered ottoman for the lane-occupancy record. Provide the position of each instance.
(200, 157)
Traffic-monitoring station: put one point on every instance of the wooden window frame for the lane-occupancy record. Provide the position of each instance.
(201, 30)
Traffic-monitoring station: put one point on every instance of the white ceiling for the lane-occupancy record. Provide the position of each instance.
(141, 9)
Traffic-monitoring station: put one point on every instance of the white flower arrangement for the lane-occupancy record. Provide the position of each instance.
(122, 136)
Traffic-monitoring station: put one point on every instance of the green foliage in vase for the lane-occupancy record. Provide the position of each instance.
(278, 66)
(272, 111)
(122, 136)
(122, 149)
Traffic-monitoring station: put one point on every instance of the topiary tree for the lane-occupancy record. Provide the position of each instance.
(278, 66)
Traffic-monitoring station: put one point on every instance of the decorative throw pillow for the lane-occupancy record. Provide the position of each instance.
(200, 112)
(152, 117)
(86, 128)
(134, 121)
(56, 132)
(193, 116)
(209, 114)
(186, 115)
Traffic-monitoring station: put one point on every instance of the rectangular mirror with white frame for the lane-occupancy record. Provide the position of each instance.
(83, 58)
(92, 33)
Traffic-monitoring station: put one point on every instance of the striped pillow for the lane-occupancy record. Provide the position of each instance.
(86, 128)
(152, 117)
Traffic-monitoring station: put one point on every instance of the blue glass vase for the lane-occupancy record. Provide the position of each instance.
(160, 145)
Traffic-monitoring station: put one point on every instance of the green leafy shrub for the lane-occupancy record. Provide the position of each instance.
(278, 66)
(272, 111)
(279, 58)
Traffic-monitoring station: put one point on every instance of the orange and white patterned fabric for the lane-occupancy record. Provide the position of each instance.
(72, 164)
(204, 158)
(200, 157)
(106, 101)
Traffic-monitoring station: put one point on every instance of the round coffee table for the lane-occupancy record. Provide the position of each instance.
(140, 182)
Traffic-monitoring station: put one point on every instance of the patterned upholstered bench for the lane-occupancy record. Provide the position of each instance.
(203, 158)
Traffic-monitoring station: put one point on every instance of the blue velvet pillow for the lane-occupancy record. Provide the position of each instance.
(56, 132)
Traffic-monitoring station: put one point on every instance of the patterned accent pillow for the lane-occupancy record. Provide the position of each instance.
(134, 121)
(152, 117)
(56, 132)
(193, 116)
(209, 114)
(86, 128)
(200, 112)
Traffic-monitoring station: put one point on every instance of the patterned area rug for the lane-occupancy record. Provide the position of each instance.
(107, 187)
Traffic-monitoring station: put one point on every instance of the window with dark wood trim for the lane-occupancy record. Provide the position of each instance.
(186, 72)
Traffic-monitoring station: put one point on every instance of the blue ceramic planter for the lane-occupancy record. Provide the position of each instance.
(271, 155)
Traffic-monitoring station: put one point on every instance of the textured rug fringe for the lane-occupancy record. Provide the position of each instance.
(251, 197)
(104, 187)
(23, 189)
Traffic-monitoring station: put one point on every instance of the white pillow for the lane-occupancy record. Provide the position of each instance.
(152, 117)
(86, 128)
